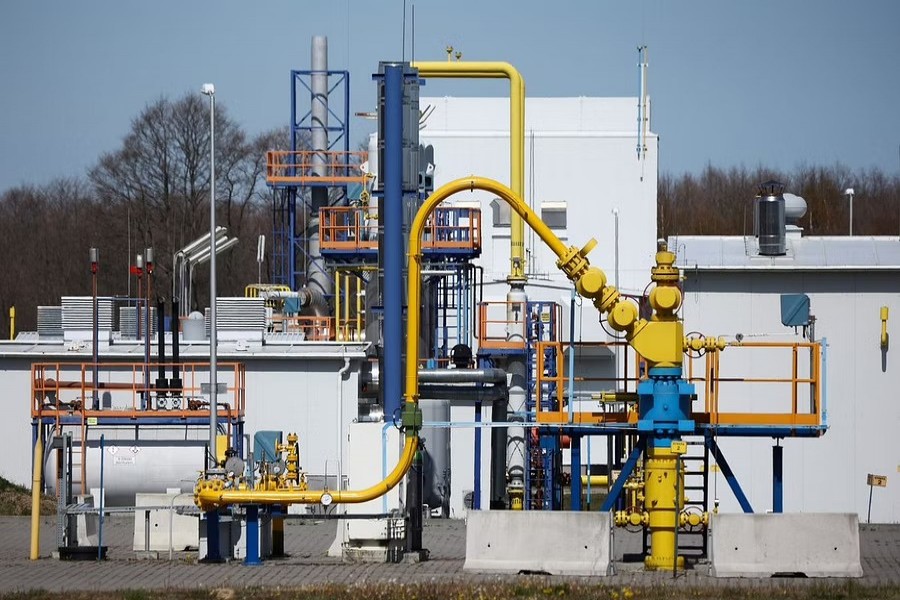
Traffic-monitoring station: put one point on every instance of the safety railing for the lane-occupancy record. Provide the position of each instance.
(755, 384)
(760, 384)
(309, 167)
(613, 397)
(349, 228)
(501, 325)
(451, 227)
(313, 328)
(353, 228)
(129, 391)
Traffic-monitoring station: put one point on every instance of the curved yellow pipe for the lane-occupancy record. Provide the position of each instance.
(498, 70)
(210, 497)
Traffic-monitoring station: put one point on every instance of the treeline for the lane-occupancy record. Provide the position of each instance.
(720, 201)
(151, 192)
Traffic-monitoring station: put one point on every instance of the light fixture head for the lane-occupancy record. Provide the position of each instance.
(208, 89)
(848, 192)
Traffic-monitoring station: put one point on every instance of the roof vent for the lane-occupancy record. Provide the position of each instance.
(770, 218)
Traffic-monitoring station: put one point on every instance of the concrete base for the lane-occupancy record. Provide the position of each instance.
(811, 544)
(557, 543)
(183, 528)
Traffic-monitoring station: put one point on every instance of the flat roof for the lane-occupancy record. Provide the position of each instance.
(831, 253)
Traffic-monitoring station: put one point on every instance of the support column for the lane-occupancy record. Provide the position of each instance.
(777, 478)
(251, 558)
(576, 472)
(212, 538)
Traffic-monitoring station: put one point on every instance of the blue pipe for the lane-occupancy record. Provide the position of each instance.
(576, 472)
(392, 239)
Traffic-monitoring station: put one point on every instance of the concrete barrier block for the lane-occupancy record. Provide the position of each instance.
(763, 545)
(557, 543)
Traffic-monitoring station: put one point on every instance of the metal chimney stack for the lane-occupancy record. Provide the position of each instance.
(770, 219)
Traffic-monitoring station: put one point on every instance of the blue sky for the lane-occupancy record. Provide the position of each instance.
(777, 83)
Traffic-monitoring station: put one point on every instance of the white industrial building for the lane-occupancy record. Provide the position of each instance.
(733, 291)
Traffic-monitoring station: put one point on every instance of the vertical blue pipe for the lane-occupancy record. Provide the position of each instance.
(476, 494)
(576, 472)
(392, 239)
(251, 559)
(777, 478)
(293, 116)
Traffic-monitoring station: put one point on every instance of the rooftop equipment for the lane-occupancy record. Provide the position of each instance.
(770, 219)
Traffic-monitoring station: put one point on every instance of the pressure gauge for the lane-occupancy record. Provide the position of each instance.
(326, 499)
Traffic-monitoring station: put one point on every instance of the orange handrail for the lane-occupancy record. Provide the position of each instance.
(315, 329)
(354, 228)
(494, 327)
(286, 166)
(67, 389)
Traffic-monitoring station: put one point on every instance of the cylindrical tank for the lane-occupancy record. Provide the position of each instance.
(436, 489)
(132, 466)
(770, 219)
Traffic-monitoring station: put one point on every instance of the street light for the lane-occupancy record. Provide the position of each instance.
(849, 192)
(209, 89)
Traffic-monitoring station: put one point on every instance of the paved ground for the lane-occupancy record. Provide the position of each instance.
(307, 543)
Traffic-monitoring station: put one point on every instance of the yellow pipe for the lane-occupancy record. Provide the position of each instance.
(498, 70)
(601, 480)
(884, 331)
(347, 307)
(36, 498)
(12, 322)
(337, 306)
(359, 308)
(590, 282)
(663, 507)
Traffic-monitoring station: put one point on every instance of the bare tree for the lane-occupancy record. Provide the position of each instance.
(160, 177)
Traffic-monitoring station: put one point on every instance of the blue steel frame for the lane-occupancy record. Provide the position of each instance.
(288, 243)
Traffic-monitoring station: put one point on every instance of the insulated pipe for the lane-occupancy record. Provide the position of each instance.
(462, 376)
(498, 70)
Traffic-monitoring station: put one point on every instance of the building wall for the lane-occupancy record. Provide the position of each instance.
(581, 151)
(863, 414)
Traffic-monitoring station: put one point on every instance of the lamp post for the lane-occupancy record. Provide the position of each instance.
(849, 193)
(209, 89)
